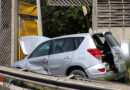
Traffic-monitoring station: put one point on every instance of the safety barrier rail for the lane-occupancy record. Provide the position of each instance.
(60, 82)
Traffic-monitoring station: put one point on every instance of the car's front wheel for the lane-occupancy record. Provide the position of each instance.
(78, 74)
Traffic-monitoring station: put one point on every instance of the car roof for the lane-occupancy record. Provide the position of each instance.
(73, 35)
(80, 35)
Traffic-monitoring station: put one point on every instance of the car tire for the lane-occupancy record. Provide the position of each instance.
(78, 74)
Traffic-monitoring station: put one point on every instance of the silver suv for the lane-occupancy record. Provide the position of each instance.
(88, 55)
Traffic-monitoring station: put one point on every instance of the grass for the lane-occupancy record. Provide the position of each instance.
(128, 81)
(4, 88)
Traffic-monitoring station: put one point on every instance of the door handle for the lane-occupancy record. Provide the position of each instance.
(45, 61)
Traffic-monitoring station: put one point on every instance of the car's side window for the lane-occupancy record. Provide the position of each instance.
(57, 46)
(68, 46)
(62, 45)
(41, 50)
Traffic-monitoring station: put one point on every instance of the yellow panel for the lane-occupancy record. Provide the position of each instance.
(19, 35)
(27, 9)
(37, 28)
(29, 28)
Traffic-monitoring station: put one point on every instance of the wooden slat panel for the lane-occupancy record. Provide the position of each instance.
(103, 5)
(115, 13)
(106, 25)
(100, 8)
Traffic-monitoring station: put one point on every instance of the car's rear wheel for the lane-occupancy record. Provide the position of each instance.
(78, 74)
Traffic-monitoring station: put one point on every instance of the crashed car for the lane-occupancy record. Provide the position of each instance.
(88, 55)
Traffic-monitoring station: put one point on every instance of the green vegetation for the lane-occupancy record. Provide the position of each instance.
(62, 20)
(128, 80)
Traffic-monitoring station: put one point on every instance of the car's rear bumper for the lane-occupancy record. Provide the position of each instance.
(109, 76)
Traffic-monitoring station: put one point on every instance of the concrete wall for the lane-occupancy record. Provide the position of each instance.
(119, 33)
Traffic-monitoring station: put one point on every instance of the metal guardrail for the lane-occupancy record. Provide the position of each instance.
(60, 82)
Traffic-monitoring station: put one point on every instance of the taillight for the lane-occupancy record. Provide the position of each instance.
(96, 53)
(102, 69)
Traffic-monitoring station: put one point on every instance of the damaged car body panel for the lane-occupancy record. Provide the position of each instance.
(88, 55)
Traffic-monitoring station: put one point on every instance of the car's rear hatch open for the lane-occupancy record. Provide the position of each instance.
(111, 51)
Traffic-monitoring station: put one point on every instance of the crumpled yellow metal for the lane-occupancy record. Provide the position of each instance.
(27, 9)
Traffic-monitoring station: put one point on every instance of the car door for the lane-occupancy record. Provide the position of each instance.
(38, 60)
(116, 52)
(61, 56)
